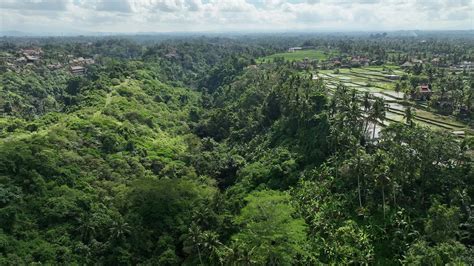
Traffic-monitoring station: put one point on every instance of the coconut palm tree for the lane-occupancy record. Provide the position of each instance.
(367, 105)
(193, 240)
(366, 101)
(409, 115)
(398, 87)
(87, 228)
(119, 230)
(378, 112)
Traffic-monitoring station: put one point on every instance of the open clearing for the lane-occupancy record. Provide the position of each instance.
(299, 55)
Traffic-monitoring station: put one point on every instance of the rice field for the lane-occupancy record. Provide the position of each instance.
(374, 81)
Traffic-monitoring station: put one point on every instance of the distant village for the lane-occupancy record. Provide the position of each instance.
(423, 91)
(33, 57)
(361, 61)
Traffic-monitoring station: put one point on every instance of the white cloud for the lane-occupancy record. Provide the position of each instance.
(114, 6)
(255, 15)
(45, 5)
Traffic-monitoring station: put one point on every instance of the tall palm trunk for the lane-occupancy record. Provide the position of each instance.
(358, 188)
(373, 132)
(199, 254)
(366, 124)
(383, 201)
(394, 196)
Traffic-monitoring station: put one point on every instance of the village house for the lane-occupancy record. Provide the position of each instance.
(31, 58)
(406, 65)
(172, 55)
(365, 60)
(355, 62)
(54, 66)
(82, 61)
(77, 70)
(305, 64)
(435, 61)
(392, 77)
(467, 65)
(20, 60)
(294, 49)
(31, 52)
(422, 93)
(359, 61)
(377, 62)
(463, 66)
(78, 60)
(417, 61)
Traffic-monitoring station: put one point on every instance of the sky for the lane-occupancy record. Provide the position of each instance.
(135, 16)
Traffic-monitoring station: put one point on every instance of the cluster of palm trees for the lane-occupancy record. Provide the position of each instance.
(375, 110)
(371, 111)
(452, 93)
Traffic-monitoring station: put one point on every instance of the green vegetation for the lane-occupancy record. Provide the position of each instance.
(185, 152)
(299, 55)
(374, 80)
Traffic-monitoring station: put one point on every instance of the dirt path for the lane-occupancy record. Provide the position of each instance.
(108, 100)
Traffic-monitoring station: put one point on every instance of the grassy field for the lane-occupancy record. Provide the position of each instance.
(300, 55)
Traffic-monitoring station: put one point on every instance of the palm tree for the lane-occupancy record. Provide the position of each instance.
(119, 230)
(211, 244)
(383, 179)
(193, 240)
(360, 157)
(366, 101)
(367, 105)
(245, 257)
(354, 113)
(398, 87)
(377, 113)
(405, 87)
(469, 100)
(87, 228)
(409, 115)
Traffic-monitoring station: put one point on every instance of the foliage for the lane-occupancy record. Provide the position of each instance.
(269, 234)
(184, 150)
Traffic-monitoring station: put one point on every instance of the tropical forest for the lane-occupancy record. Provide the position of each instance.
(237, 149)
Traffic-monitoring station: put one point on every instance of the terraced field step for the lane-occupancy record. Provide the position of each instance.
(423, 115)
(426, 120)
(365, 76)
(333, 77)
(444, 125)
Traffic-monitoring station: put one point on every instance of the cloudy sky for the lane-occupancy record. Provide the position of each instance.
(233, 15)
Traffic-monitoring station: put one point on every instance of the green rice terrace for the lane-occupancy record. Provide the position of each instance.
(377, 82)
